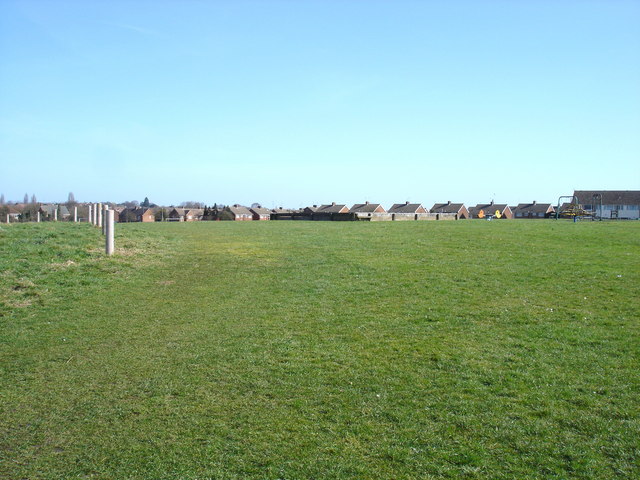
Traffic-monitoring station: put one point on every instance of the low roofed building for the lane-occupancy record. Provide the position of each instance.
(239, 213)
(458, 209)
(137, 214)
(484, 210)
(332, 208)
(533, 210)
(260, 213)
(367, 210)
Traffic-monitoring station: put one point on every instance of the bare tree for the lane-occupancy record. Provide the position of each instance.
(34, 200)
(192, 204)
(2, 202)
(26, 198)
(71, 199)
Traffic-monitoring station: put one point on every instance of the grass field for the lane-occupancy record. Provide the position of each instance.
(294, 350)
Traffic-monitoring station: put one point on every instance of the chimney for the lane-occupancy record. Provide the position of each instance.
(333, 204)
(448, 202)
(407, 202)
(491, 202)
(367, 202)
(534, 202)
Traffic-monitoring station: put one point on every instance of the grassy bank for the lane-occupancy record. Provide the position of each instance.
(321, 350)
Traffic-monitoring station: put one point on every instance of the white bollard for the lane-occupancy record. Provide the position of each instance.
(75, 214)
(89, 219)
(109, 238)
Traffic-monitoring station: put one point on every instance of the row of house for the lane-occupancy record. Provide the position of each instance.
(620, 204)
(416, 211)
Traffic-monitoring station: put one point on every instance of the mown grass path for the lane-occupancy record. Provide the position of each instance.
(321, 350)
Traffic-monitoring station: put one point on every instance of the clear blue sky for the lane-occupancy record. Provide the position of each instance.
(299, 102)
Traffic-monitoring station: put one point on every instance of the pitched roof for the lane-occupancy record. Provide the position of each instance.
(365, 207)
(138, 210)
(609, 197)
(283, 210)
(332, 208)
(405, 207)
(261, 211)
(446, 207)
(488, 208)
(12, 210)
(48, 208)
(194, 212)
(534, 207)
(239, 210)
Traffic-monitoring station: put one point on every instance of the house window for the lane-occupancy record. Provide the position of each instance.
(619, 207)
(587, 207)
(633, 207)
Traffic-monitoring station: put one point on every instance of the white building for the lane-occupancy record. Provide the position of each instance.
(610, 203)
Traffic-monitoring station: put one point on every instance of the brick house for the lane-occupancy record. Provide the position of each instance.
(533, 210)
(240, 213)
(176, 215)
(193, 214)
(407, 211)
(51, 211)
(310, 210)
(451, 208)
(137, 214)
(483, 210)
(333, 208)
(260, 213)
(367, 210)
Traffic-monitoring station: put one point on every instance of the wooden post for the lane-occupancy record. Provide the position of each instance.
(109, 238)
(75, 214)
(89, 219)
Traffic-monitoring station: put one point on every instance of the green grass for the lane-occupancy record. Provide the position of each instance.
(471, 349)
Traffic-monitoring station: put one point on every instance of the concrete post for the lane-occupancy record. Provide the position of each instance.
(75, 214)
(105, 209)
(99, 219)
(55, 214)
(8, 218)
(89, 219)
(38, 216)
(109, 238)
(95, 214)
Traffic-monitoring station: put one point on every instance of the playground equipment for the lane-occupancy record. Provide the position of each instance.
(489, 216)
(573, 210)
